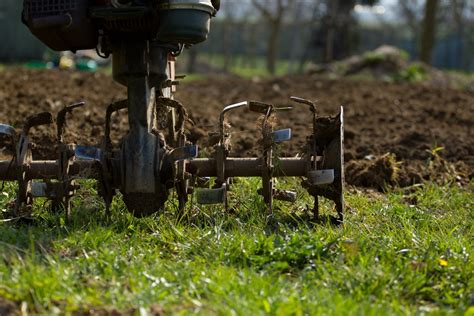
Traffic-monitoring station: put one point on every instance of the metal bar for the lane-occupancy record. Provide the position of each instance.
(48, 169)
(249, 167)
(201, 167)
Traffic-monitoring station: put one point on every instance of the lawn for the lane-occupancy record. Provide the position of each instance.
(404, 252)
(243, 66)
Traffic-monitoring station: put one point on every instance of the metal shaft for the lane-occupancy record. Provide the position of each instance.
(249, 167)
(202, 167)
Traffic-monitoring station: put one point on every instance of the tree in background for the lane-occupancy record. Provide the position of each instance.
(336, 35)
(273, 11)
(411, 13)
(444, 22)
(454, 19)
(325, 30)
(228, 12)
(428, 31)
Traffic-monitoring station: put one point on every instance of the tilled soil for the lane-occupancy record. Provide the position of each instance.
(392, 130)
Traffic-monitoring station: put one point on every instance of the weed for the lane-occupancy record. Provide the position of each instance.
(415, 72)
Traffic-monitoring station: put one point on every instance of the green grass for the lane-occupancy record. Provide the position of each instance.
(406, 252)
(241, 65)
(463, 80)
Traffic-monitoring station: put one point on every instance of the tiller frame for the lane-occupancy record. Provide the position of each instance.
(155, 155)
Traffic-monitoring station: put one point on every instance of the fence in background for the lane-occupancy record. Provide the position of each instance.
(248, 39)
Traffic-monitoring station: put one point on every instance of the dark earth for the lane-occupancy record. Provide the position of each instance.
(396, 133)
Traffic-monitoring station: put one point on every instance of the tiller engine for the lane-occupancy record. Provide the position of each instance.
(144, 37)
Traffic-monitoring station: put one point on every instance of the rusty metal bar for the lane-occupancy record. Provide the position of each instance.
(249, 167)
(202, 167)
(47, 169)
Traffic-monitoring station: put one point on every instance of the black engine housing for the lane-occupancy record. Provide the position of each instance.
(78, 24)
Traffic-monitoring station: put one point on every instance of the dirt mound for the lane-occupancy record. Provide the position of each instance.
(391, 64)
(385, 60)
(407, 120)
(378, 172)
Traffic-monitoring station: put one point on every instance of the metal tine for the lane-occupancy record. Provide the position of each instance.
(10, 132)
(220, 195)
(267, 158)
(61, 118)
(279, 136)
(184, 153)
(286, 108)
(233, 107)
(105, 190)
(259, 107)
(312, 108)
(61, 199)
(43, 118)
(179, 108)
(23, 157)
(227, 109)
(311, 104)
(111, 109)
(314, 175)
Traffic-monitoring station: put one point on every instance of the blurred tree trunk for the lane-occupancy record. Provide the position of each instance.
(227, 30)
(248, 29)
(408, 9)
(428, 32)
(310, 46)
(297, 28)
(459, 6)
(330, 23)
(272, 47)
(252, 42)
(274, 19)
(339, 29)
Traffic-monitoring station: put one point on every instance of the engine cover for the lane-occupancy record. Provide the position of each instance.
(61, 24)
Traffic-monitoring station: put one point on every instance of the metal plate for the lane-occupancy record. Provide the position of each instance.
(39, 189)
(211, 196)
(320, 177)
(282, 135)
(7, 130)
(87, 153)
(184, 153)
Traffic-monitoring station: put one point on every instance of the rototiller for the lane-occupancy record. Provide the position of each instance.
(144, 37)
